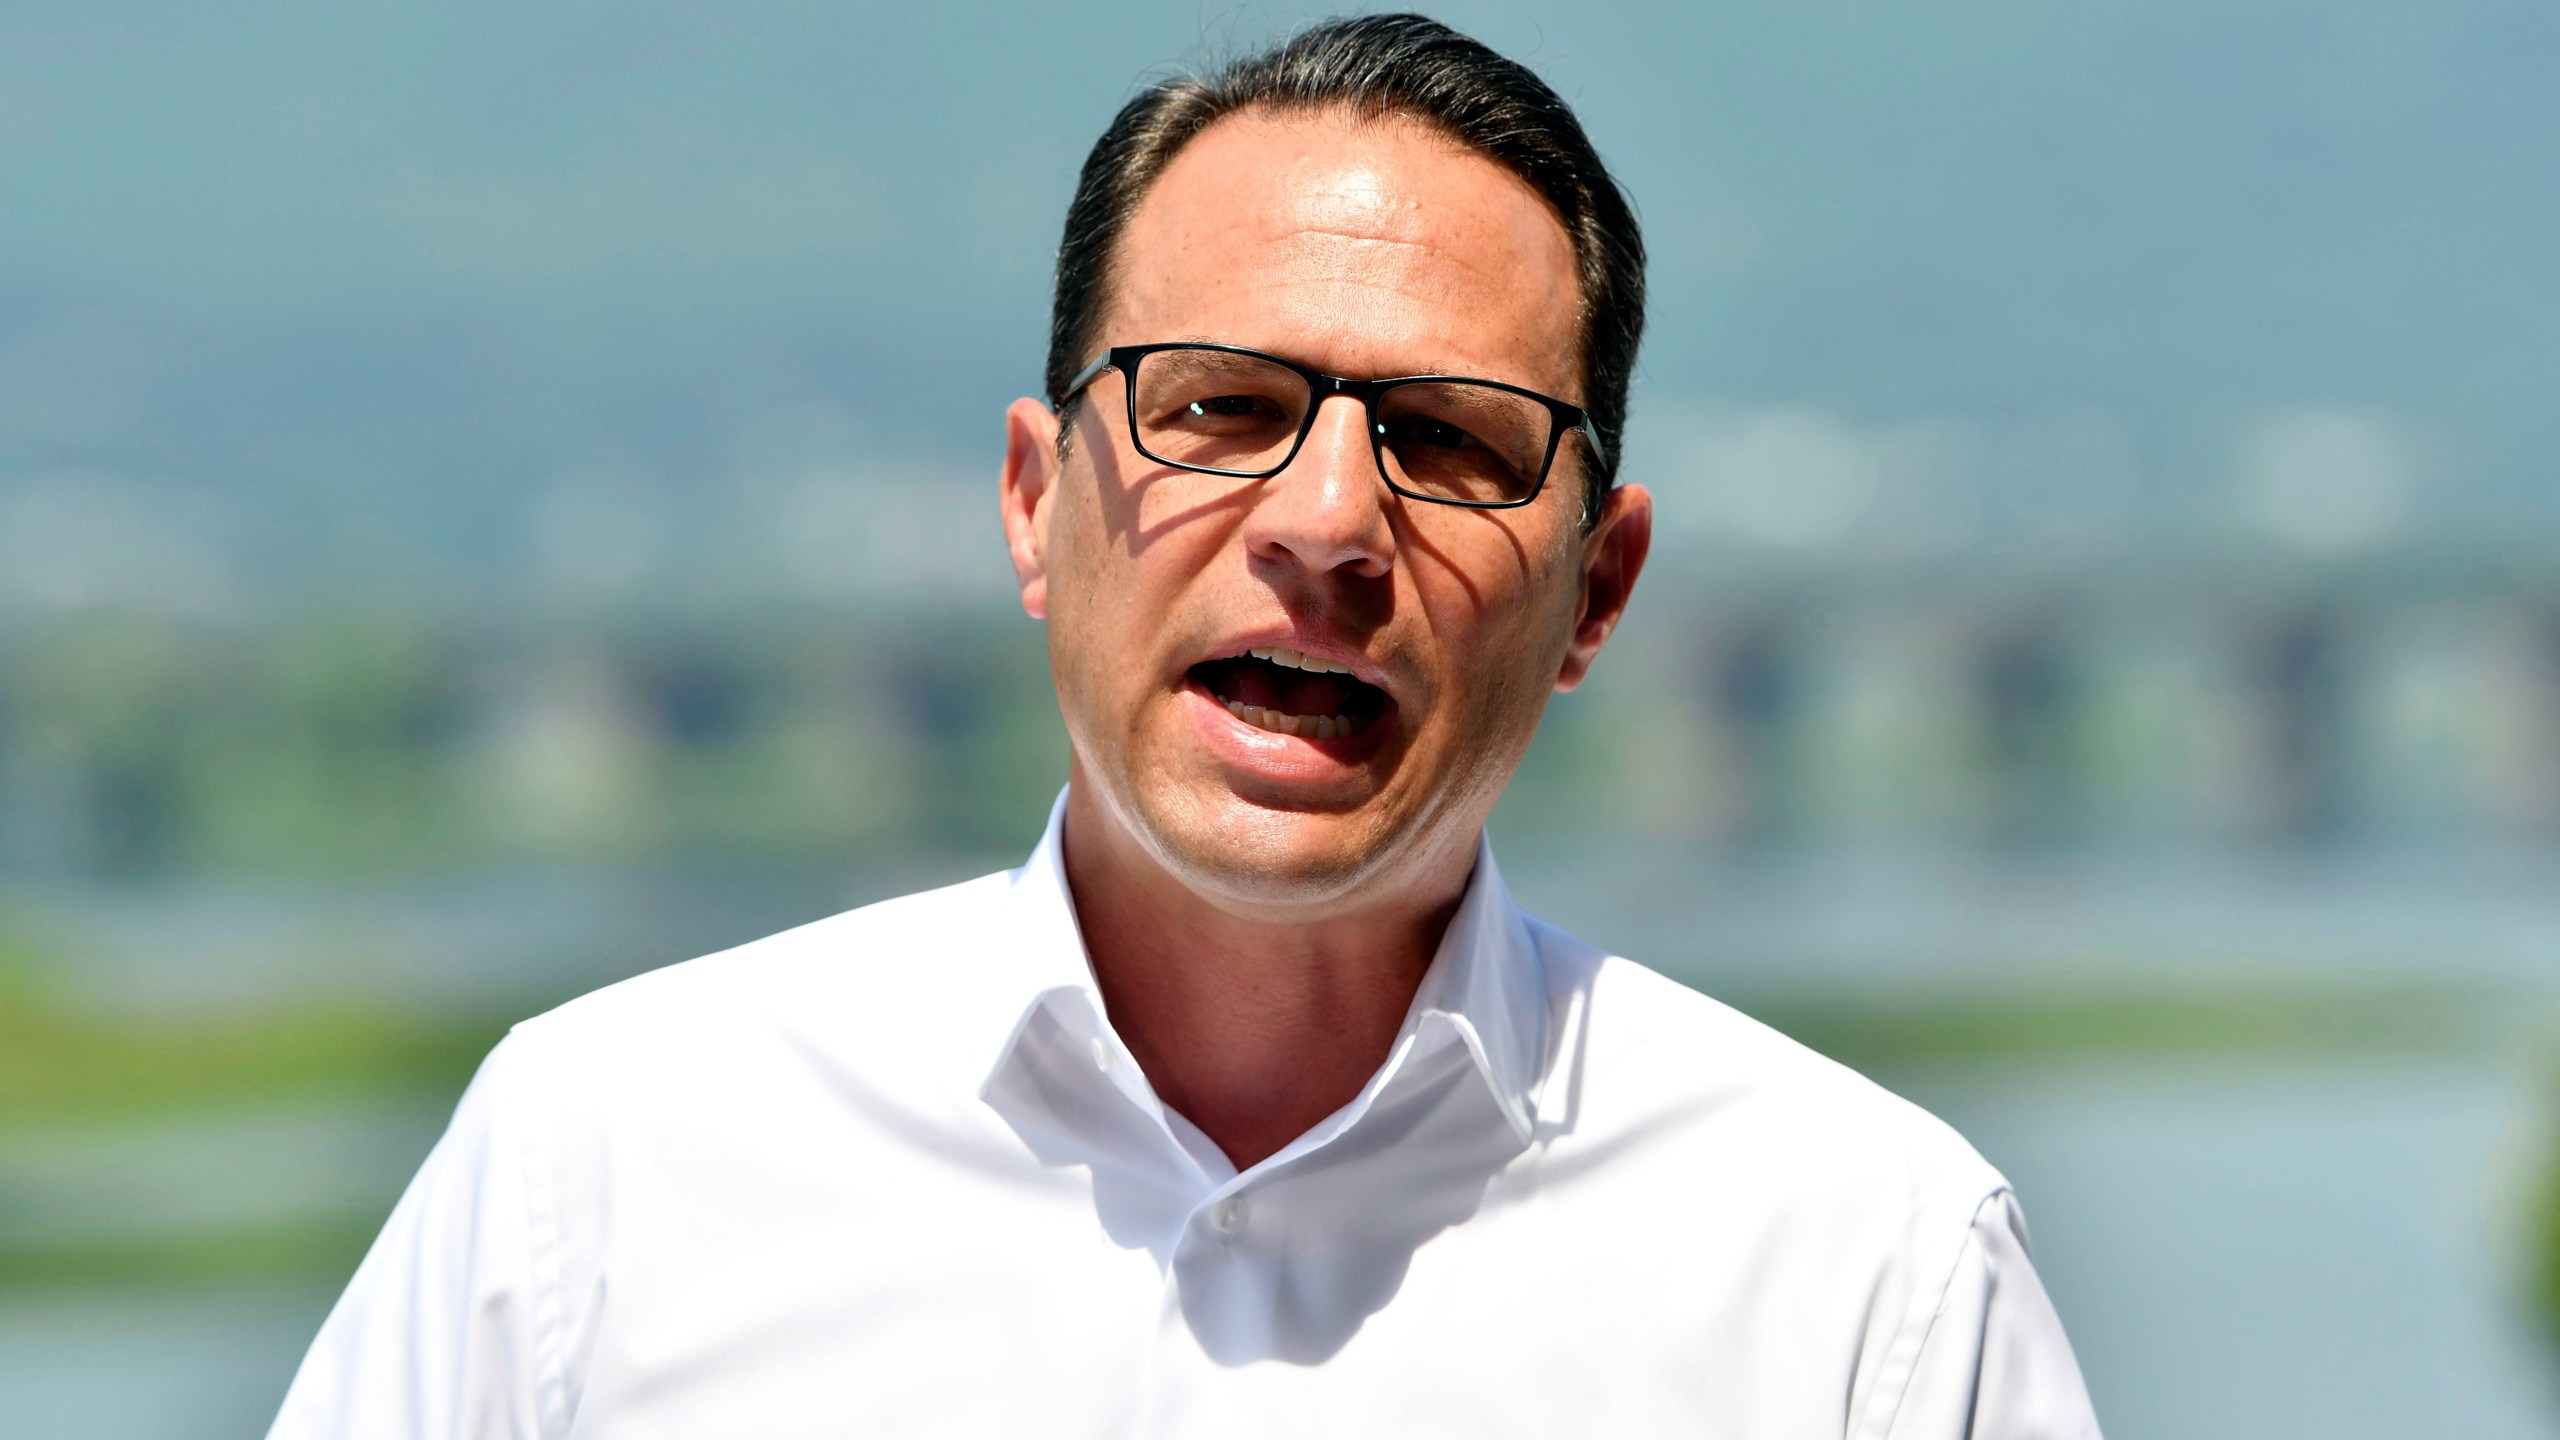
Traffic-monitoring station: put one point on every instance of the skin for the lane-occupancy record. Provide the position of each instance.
(1259, 908)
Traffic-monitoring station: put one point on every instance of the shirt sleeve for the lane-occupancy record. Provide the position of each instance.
(437, 1334)
(1994, 1364)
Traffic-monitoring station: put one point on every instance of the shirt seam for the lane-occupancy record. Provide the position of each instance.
(1902, 1362)
(543, 1239)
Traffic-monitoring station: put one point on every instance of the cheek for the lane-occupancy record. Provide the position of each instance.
(1115, 592)
(1070, 568)
(1506, 603)
(1082, 598)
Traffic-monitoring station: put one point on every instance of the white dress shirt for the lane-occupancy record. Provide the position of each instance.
(892, 1174)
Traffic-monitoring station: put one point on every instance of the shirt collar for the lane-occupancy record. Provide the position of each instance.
(1485, 981)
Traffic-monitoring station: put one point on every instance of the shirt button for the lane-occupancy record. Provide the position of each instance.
(1102, 1056)
(1229, 1217)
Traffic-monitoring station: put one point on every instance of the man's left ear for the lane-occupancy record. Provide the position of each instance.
(1612, 556)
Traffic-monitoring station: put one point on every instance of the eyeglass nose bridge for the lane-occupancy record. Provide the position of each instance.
(1327, 388)
(1323, 387)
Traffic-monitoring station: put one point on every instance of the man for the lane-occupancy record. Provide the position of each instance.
(1250, 1105)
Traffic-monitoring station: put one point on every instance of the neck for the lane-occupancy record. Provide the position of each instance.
(1255, 1026)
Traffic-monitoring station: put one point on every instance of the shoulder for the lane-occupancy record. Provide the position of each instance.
(876, 979)
(1706, 1085)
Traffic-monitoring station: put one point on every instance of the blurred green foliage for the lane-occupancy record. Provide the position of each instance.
(59, 1065)
(292, 1251)
(2542, 1240)
(1889, 1029)
(368, 742)
(62, 1065)
(60, 1062)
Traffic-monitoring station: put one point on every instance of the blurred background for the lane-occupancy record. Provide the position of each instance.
(497, 497)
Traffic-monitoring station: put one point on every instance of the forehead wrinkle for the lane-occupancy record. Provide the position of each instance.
(1340, 329)
(1424, 254)
(1347, 344)
(1434, 269)
(1441, 232)
(1410, 267)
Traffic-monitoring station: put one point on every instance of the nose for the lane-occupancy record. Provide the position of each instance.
(1327, 511)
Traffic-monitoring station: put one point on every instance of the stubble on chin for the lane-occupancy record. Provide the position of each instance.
(1222, 846)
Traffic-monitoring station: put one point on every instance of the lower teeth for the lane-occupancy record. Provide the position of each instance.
(1306, 727)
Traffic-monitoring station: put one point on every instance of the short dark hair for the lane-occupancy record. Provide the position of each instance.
(1403, 65)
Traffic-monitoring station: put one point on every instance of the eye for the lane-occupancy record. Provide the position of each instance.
(1233, 407)
(1426, 430)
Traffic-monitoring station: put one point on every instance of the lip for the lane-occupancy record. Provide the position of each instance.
(1275, 756)
(1347, 656)
(1268, 753)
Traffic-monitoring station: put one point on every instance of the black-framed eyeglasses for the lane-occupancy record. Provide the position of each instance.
(1448, 439)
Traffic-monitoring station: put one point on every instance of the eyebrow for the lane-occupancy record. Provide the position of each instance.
(1456, 372)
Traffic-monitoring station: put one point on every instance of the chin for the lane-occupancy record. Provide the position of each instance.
(1249, 855)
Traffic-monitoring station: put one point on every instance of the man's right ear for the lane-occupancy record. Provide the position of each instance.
(1030, 480)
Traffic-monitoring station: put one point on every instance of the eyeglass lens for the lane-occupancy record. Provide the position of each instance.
(1213, 410)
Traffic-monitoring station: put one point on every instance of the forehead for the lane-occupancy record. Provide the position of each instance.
(1366, 246)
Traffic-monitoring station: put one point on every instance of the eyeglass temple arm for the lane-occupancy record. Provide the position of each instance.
(1086, 376)
(1591, 437)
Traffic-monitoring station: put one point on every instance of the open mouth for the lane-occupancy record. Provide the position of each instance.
(1292, 694)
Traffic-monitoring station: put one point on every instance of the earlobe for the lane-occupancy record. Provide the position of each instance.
(1613, 554)
(1029, 480)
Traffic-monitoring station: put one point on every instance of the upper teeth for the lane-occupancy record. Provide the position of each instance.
(1296, 661)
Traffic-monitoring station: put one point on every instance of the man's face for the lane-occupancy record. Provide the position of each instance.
(1361, 248)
